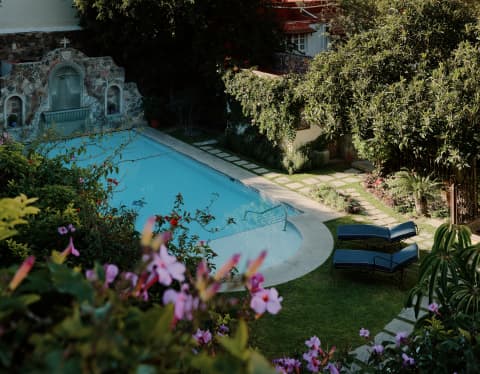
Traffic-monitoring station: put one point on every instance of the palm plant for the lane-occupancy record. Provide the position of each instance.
(450, 273)
(407, 183)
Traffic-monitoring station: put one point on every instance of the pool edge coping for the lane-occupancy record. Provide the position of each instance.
(310, 223)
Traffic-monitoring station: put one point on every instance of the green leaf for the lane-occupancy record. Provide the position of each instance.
(70, 282)
(237, 346)
(10, 304)
(258, 364)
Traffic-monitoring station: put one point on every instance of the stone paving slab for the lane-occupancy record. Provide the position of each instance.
(294, 186)
(397, 325)
(310, 181)
(223, 154)
(337, 183)
(409, 314)
(271, 175)
(324, 178)
(383, 336)
(382, 216)
(428, 244)
(305, 190)
(339, 175)
(206, 142)
(241, 162)
(362, 353)
(232, 158)
(260, 171)
(206, 148)
(283, 180)
(391, 221)
(251, 166)
(351, 180)
(214, 151)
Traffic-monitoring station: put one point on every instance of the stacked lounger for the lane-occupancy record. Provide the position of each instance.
(376, 260)
(395, 234)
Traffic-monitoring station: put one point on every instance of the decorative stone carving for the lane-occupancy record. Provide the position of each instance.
(99, 80)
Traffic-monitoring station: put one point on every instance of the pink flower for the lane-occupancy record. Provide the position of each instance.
(313, 362)
(266, 300)
(225, 269)
(184, 303)
(111, 272)
(223, 330)
(129, 276)
(91, 275)
(81, 180)
(433, 307)
(401, 338)
(332, 368)
(71, 228)
(364, 333)
(147, 234)
(378, 349)
(62, 230)
(202, 337)
(254, 284)
(407, 360)
(287, 365)
(22, 272)
(254, 265)
(166, 267)
(70, 249)
(313, 343)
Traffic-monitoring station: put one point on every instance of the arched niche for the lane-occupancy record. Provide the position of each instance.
(113, 100)
(65, 87)
(14, 110)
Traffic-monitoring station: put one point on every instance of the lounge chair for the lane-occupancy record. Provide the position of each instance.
(375, 260)
(395, 234)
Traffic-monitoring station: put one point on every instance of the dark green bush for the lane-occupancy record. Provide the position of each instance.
(66, 195)
(330, 197)
(254, 145)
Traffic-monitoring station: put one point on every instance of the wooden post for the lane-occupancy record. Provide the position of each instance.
(453, 204)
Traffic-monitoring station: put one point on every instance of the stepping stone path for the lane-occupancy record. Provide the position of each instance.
(405, 320)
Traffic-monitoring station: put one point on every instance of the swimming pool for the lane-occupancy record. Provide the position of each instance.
(150, 175)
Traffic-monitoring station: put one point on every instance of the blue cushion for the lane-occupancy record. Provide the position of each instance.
(405, 256)
(349, 232)
(396, 233)
(403, 231)
(358, 258)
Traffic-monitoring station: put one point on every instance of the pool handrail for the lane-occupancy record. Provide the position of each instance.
(268, 210)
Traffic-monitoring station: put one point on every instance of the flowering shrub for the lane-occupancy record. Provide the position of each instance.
(67, 194)
(58, 319)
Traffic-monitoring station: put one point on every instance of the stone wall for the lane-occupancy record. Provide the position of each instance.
(32, 46)
(31, 82)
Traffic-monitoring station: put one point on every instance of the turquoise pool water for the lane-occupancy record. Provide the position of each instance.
(150, 175)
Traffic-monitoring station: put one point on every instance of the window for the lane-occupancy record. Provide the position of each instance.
(14, 110)
(297, 42)
(113, 100)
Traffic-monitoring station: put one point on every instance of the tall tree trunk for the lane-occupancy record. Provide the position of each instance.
(464, 204)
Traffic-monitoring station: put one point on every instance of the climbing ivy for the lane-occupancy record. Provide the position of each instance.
(268, 101)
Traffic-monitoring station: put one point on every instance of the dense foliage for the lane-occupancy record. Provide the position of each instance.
(68, 195)
(173, 49)
(57, 319)
(269, 102)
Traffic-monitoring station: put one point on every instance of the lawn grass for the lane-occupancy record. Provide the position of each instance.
(332, 304)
